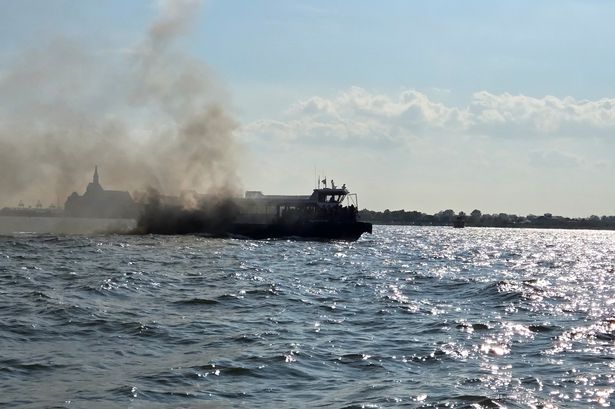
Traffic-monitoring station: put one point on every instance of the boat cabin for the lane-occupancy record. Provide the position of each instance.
(329, 196)
(323, 204)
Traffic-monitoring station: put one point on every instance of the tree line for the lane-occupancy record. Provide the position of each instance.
(477, 219)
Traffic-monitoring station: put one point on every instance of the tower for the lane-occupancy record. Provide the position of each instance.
(94, 185)
(95, 178)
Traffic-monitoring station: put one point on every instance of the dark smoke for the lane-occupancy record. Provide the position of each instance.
(213, 216)
(148, 115)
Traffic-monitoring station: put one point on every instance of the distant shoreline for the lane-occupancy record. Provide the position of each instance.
(494, 227)
(477, 219)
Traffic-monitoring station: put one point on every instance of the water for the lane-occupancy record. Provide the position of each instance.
(407, 317)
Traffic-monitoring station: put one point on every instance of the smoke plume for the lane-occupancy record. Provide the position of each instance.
(148, 115)
(213, 215)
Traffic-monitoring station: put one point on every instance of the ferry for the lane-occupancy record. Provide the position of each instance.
(329, 213)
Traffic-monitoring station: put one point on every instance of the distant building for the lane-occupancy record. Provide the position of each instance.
(99, 203)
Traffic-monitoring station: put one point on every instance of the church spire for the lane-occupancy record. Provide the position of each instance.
(95, 179)
(94, 185)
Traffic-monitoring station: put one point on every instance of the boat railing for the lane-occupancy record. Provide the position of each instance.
(352, 200)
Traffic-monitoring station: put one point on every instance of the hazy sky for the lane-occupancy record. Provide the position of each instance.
(500, 106)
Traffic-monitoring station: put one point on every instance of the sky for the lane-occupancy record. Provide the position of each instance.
(498, 106)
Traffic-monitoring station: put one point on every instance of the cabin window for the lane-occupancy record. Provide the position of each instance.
(334, 198)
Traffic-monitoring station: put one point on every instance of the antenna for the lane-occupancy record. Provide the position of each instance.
(315, 178)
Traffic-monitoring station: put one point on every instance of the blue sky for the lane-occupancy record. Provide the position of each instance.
(558, 48)
(501, 106)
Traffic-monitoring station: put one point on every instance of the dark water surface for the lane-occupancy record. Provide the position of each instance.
(407, 317)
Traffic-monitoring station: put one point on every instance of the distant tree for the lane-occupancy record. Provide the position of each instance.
(446, 216)
(475, 217)
(386, 216)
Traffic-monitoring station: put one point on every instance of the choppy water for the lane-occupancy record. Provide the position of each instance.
(406, 317)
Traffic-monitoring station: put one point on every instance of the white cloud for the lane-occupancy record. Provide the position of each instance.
(546, 115)
(362, 116)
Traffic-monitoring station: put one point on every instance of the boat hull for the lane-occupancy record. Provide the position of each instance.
(195, 223)
(313, 230)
